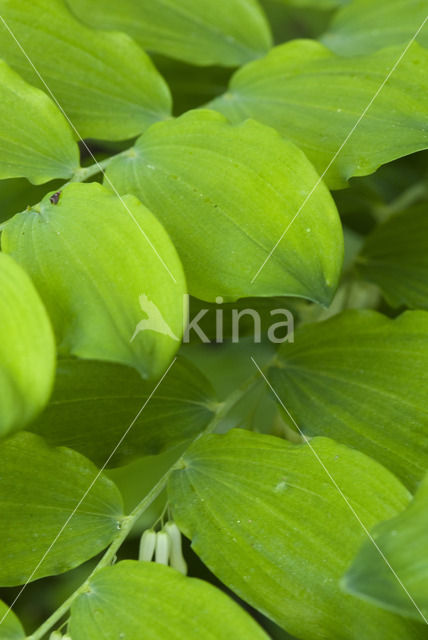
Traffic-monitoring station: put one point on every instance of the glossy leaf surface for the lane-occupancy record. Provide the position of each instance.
(104, 268)
(27, 349)
(105, 83)
(361, 378)
(34, 513)
(316, 98)
(266, 519)
(226, 195)
(94, 403)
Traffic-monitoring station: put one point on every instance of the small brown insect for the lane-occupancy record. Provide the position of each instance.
(55, 198)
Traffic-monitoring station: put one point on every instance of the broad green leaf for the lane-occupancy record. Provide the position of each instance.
(315, 98)
(94, 403)
(404, 542)
(132, 596)
(27, 349)
(40, 487)
(226, 195)
(35, 139)
(364, 26)
(105, 83)
(104, 268)
(395, 257)
(10, 626)
(361, 378)
(266, 519)
(225, 32)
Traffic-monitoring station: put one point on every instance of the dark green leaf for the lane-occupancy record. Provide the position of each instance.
(132, 596)
(226, 194)
(315, 98)
(404, 542)
(101, 266)
(361, 378)
(264, 516)
(226, 32)
(27, 349)
(94, 403)
(40, 487)
(106, 84)
(395, 257)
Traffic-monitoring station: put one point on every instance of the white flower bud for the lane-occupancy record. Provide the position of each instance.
(162, 548)
(177, 560)
(147, 545)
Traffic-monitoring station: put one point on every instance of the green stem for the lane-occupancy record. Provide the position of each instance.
(129, 521)
(84, 173)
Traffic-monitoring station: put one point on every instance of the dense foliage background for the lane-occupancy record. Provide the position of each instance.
(252, 155)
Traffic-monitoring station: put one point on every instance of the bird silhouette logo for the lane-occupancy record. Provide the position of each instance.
(154, 321)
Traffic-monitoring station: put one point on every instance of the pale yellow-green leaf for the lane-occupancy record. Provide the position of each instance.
(27, 349)
(107, 273)
(35, 139)
(229, 197)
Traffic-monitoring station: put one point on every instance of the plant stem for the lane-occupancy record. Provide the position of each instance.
(129, 521)
(84, 173)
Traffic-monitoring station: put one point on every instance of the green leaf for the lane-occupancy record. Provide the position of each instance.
(403, 541)
(314, 4)
(315, 98)
(35, 139)
(10, 626)
(361, 378)
(94, 403)
(226, 32)
(395, 257)
(17, 194)
(40, 487)
(132, 596)
(101, 266)
(27, 349)
(266, 519)
(364, 26)
(226, 194)
(105, 83)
